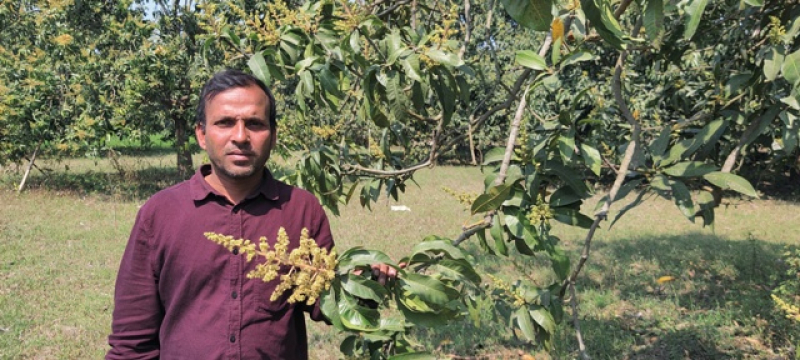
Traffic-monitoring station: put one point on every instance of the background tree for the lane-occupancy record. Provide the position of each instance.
(57, 90)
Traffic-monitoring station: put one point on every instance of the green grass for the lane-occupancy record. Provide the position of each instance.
(61, 241)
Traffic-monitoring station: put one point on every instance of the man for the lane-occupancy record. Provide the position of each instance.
(181, 296)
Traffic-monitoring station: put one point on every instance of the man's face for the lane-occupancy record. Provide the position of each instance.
(237, 135)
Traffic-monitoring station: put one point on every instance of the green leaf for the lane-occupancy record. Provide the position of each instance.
(707, 203)
(764, 120)
(492, 199)
(308, 82)
(355, 41)
(481, 234)
(559, 261)
(576, 57)
(690, 169)
(568, 176)
(592, 159)
(497, 235)
(411, 67)
(356, 257)
(754, 2)
(687, 147)
(572, 217)
(444, 84)
(513, 224)
(533, 14)
(791, 67)
(728, 181)
(564, 196)
(363, 288)
(530, 59)
(330, 83)
(555, 51)
(694, 11)
(660, 183)
(789, 133)
(456, 269)
(394, 44)
(530, 240)
(683, 199)
(525, 323)
(543, 317)
(494, 155)
(446, 58)
(357, 317)
(330, 307)
(398, 101)
(566, 147)
(654, 21)
(437, 247)
(428, 289)
(602, 18)
(348, 345)
(792, 100)
(659, 145)
(773, 62)
(259, 68)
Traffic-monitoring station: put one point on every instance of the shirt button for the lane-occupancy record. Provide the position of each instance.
(233, 338)
(234, 295)
(235, 251)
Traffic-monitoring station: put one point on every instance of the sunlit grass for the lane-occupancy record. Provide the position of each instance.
(60, 245)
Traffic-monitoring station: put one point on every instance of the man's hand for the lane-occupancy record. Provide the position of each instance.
(382, 272)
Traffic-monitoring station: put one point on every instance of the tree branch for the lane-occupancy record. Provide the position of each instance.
(392, 8)
(360, 170)
(621, 9)
(569, 282)
(467, 27)
(574, 302)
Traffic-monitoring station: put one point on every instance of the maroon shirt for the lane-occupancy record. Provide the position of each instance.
(181, 296)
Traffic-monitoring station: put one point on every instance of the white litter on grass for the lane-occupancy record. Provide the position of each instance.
(400, 208)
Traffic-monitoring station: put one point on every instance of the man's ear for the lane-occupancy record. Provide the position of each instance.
(200, 133)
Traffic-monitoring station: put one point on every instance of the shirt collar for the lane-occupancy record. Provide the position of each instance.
(200, 189)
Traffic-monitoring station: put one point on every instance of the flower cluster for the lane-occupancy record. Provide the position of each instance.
(508, 291)
(465, 198)
(792, 311)
(311, 268)
(540, 213)
(63, 39)
(776, 31)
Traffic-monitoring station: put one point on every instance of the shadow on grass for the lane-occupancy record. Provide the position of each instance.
(717, 307)
(133, 185)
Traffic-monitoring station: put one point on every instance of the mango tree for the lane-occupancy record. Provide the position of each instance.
(662, 97)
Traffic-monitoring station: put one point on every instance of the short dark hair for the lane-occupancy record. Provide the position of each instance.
(229, 79)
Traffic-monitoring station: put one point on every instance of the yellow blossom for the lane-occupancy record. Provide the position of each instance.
(63, 39)
(311, 268)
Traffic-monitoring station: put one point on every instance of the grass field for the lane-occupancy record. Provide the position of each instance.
(61, 241)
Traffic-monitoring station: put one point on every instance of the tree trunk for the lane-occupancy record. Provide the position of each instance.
(472, 146)
(185, 166)
(28, 170)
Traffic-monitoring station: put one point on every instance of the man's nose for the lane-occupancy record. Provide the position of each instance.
(240, 134)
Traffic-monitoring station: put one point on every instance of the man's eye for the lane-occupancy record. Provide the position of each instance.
(256, 125)
(225, 123)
